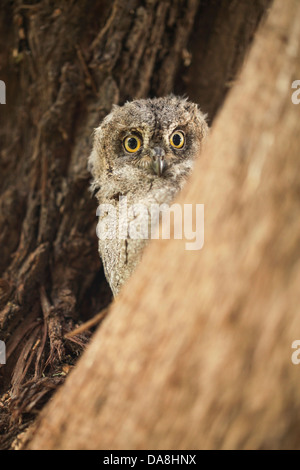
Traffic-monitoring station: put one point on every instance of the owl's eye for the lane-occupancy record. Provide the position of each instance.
(132, 143)
(177, 139)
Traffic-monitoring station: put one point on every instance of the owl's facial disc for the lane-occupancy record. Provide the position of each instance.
(158, 163)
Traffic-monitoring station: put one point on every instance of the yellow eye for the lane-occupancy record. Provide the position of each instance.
(132, 143)
(177, 139)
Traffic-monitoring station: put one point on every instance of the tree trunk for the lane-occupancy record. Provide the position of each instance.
(64, 67)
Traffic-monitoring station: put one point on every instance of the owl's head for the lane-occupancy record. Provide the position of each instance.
(147, 138)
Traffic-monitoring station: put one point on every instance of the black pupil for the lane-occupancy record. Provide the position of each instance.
(132, 143)
(177, 139)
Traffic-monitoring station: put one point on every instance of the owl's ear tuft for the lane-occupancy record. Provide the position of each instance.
(197, 113)
(194, 109)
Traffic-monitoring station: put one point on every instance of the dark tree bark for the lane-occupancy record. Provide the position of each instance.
(218, 43)
(64, 67)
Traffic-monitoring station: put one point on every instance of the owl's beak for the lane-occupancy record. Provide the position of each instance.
(158, 160)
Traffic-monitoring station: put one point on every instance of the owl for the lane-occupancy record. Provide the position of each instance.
(142, 154)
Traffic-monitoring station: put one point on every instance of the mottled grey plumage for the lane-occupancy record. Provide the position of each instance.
(152, 174)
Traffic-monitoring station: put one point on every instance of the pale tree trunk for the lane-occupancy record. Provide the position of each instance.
(196, 351)
(64, 66)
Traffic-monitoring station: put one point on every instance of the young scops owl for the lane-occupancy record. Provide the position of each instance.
(145, 151)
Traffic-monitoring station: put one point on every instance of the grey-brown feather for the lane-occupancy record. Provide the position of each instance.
(117, 173)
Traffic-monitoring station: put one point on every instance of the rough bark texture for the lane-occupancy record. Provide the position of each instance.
(64, 67)
(218, 44)
(203, 360)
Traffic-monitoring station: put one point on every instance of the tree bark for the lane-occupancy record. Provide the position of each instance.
(64, 67)
(218, 44)
(203, 360)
